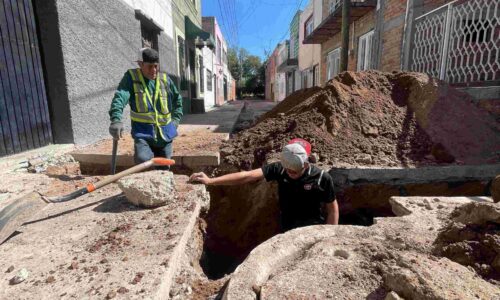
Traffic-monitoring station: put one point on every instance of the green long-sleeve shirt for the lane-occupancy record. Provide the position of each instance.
(126, 88)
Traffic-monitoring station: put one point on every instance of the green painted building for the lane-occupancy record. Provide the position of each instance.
(189, 40)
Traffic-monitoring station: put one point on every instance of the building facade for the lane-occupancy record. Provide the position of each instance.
(85, 48)
(455, 41)
(309, 54)
(289, 58)
(222, 76)
(282, 56)
(79, 51)
(271, 76)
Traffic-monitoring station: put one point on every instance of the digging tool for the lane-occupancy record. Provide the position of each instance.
(24, 209)
(113, 156)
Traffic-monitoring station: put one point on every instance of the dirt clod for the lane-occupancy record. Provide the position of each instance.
(50, 279)
(73, 265)
(10, 269)
(123, 290)
(138, 277)
(111, 295)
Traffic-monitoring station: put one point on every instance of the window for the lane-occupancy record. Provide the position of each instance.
(209, 80)
(333, 5)
(149, 31)
(202, 75)
(365, 51)
(219, 50)
(316, 75)
(309, 26)
(182, 63)
(308, 78)
(333, 64)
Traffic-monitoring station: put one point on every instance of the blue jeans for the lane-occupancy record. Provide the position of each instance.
(146, 150)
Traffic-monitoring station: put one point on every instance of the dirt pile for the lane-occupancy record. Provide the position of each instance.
(374, 118)
(472, 238)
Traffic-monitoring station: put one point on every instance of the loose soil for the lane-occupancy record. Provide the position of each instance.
(473, 242)
(373, 118)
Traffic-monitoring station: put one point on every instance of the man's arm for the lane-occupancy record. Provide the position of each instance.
(229, 179)
(332, 210)
(121, 98)
(176, 103)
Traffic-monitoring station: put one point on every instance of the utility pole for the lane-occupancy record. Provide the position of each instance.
(346, 8)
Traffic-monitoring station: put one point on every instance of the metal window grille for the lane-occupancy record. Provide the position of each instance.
(459, 42)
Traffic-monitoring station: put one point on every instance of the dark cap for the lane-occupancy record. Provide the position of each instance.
(148, 55)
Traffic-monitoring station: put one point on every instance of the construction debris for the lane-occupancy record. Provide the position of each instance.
(389, 260)
(150, 189)
(20, 277)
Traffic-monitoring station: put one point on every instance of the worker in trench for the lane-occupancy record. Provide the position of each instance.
(155, 108)
(306, 193)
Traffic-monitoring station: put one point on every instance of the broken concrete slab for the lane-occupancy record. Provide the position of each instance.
(103, 245)
(149, 189)
(397, 176)
(303, 261)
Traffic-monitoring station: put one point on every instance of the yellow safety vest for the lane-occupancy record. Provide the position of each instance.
(157, 111)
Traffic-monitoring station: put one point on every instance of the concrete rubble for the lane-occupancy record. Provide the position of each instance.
(150, 189)
(390, 259)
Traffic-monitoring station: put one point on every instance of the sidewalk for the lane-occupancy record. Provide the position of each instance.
(200, 136)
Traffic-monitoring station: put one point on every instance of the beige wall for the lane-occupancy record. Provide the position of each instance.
(309, 55)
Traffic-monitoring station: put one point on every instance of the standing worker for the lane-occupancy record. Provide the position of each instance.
(302, 187)
(155, 108)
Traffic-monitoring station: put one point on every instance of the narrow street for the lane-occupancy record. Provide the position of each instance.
(232, 149)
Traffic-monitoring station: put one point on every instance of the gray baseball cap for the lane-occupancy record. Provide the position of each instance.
(293, 157)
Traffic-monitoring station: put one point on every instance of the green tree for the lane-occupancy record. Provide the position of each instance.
(248, 71)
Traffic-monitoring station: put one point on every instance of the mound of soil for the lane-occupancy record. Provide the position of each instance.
(472, 238)
(373, 118)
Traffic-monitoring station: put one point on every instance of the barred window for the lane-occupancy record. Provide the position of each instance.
(209, 80)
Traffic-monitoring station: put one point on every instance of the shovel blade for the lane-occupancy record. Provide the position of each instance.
(19, 212)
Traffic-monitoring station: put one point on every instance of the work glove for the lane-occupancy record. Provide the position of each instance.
(116, 130)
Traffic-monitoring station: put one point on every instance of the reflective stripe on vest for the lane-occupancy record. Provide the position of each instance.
(140, 97)
(150, 118)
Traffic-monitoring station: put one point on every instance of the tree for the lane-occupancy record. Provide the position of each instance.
(247, 70)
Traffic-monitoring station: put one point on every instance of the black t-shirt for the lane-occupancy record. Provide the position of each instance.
(300, 199)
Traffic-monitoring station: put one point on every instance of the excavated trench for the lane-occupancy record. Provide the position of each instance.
(242, 217)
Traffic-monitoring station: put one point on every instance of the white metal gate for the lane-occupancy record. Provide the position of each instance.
(459, 42)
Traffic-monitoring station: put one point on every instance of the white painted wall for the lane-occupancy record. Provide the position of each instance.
(159, 11)
(318, 12)
(208, 63)
(281, 86)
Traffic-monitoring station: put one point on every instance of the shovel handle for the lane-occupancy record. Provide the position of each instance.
(94, 186)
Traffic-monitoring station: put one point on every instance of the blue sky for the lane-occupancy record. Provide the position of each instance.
(260, 24)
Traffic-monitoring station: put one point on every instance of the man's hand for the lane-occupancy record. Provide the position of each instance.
(200, 177)
(116, 130)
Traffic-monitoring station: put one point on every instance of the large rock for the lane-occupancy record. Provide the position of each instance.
(390, 259)
(149, 189)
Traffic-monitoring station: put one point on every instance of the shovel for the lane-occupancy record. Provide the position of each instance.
(24, 209)
(113, 156)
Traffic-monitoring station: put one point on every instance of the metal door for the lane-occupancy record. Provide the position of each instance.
(24, 114)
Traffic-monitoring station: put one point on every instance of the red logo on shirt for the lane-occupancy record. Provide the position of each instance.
(307, 187)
